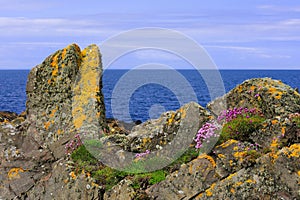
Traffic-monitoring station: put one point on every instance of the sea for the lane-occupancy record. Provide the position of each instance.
(131, 95)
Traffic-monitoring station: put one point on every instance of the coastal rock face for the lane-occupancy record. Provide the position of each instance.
(64, 98)
(154, 134)
(272, 97)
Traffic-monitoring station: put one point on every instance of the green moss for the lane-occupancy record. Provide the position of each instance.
(81, 154)
(240, 128)
(108, 177)
(296, 120)
(151, 178)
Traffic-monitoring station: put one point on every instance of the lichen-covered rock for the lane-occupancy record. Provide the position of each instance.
(276, 176)
(62, 183)
(272, 97)
(122, 191)
(191, 179)
(63, 98)
(7, 116)
(154, 134)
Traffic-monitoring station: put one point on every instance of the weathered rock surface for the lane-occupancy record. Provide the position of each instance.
(64, 98)
(7, 116)
(272, 97)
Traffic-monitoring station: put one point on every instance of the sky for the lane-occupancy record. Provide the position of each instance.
(248, 34)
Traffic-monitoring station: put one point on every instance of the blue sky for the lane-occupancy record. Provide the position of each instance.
(249, 34)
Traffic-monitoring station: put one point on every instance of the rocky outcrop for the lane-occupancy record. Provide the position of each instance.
(272, 97)
(64, 98)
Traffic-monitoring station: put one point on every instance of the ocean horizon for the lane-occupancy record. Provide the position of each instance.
(147, 96)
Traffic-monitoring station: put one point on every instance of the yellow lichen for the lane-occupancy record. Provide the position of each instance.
(232, 190)
(59, 132)
(53, 112)
(47, 125)
(294, 151)
(250, 181)
(272, 90)
(221, 156)
(14, 173)
(239, 155)
(274, 121)
(228, 143)
(209, 158)
(283, 131)
(209, 190)
(237, 184)
(73, 175)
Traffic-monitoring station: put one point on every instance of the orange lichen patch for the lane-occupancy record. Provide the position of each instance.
(59, 132)
(146, 141)
(209, 158)
(230, 176)
(283, 131)
(14, 173)
(171, 119)
(49, 81)
(83, 53)
(274, 143)
(209, 190)
(47, 125)
(240, 88)
(73, 175)
(232, 190)
(294, 151)
(88, 174)
(237, 184)
(221, 156)
(230, 162)
(250, 181)
(199, 196)
(277, 96)
(66, 181)
(274, 121)
(272, 90)
(54, 61)
(53, 112)
(228, 143)
(79, 121)
(298, 173)
(240, 155)
(252, 88)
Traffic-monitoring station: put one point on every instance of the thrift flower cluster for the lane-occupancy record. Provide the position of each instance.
(231, 114)
(206, 132)
(140, 155)
(73, 144)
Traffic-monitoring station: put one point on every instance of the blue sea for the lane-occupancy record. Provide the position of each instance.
(145, 94)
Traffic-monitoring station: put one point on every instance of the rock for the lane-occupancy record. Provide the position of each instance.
(191, 179)
(274, 177)
(7, 116)
(61, 183)
(155, 134)
(122, 191)
(167, 138)
(272, 97)
(64, 98)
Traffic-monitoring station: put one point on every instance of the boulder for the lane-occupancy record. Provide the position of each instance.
(64, 98)
(272, 97)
